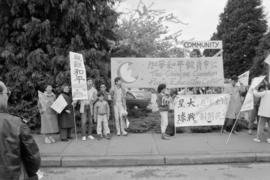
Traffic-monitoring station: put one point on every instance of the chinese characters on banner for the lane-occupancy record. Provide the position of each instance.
(200, 110)
(175, 72)
(78, 76)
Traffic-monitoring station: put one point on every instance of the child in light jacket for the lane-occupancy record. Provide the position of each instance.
(102, 115)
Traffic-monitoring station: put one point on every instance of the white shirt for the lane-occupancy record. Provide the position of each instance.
(264, 109)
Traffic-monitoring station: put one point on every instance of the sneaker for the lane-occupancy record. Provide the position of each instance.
(250, 132)
(52, 139)
(99, 137)
(268, 140)
(124, 133)
(257, 140)
(164, 137)
(91, 137)
(84, 138)
(118, 134)
(107, 136)
(47, 140)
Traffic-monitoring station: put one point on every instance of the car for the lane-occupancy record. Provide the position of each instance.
(138, 99)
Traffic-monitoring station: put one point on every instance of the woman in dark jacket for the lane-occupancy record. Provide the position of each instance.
(66, 117)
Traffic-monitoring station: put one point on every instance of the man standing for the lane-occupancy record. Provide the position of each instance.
(19, 153)
(235, 102)
(118, 94)
(86, 110)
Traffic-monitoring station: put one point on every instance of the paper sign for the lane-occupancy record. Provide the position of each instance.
(59, 104)
(174, 72)
(201, 110)
(78, 76)
(243, 78)
(202, 44)
(248, 104)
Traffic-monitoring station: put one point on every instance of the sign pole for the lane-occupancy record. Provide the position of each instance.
(75, 126)
(233, 127)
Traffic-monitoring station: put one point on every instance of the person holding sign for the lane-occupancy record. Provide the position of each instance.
(264, 113)
(49, 123)
(86, 110)
(66, 116)
(235, 102)
(163, 102)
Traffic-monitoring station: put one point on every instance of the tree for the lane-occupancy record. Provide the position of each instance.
(262, 52)
(241, 26)
(142, 33)
(36, 36)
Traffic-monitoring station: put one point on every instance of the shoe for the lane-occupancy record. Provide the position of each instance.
(119, 134)
(124, 133)
(91, 137)
(107, 136)
(47, 140)
(70, 138)
(167, 135)
(268, 140)
(52, 139)
(65, 140)
(99, 137)
(84, 138)
(257, 140)
(250, 132)
(164, 137)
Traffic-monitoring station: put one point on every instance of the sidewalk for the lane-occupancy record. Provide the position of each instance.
(149, 149)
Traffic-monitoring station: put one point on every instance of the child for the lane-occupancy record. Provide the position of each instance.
(102, 115)
(163, 102)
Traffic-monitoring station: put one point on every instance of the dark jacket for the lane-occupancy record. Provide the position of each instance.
(19, 154)
(66, 120)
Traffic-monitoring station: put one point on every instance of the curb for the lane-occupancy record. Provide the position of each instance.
(118, 161)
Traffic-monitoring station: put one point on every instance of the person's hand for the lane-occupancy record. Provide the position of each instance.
(68, 111)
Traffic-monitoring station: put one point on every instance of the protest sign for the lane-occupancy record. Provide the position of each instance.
(201, 110)
(249, 99)
(78, 76)
(174, 72)
(59, 104)
(243, 78)
(267, 60)
(202, 44)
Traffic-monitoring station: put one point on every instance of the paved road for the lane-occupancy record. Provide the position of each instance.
(201, 172)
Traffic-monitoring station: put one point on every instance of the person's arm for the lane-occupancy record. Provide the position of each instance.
(29, 151)
(108, 110)
(95, 112)
(258, 94)
(94, 97)
(40, 108)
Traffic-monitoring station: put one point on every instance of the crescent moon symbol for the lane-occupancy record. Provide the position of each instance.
(125, 73)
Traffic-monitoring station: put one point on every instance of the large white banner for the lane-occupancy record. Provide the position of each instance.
(249, 99)
(174, 72)
(202, 44)
(200, 110)
(78, 76)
